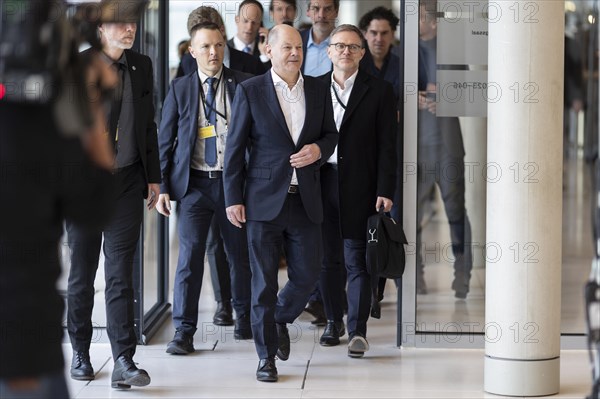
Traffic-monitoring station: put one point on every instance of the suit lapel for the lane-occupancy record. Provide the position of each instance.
(230, 82)
(136, 86)
(358, 92)
(194, 102)
(274, 105)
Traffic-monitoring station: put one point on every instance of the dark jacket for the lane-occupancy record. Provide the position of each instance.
(366, 152)
(45, 179)
(259, 124)
(179, 129)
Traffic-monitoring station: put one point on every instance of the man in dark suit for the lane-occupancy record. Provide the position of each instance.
(215, 253)
(233, 59)
(192, 138)
(137, 176)
(250, 38)
(285, 123)
(357, 180)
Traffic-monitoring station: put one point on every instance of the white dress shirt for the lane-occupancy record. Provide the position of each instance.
(338, 110)
(198, 161)
(293, 105)
(240, 45)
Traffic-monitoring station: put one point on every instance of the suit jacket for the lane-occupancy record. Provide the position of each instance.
(238, 61)
(366, 151)
(142, 87)
(260, 127)
(255, 52)
(304, 34)
(179, 129)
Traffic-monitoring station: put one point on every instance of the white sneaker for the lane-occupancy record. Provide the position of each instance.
(357, 346)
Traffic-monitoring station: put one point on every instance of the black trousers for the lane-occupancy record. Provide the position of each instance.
(332, 281)
(204, 201)
(301, 239)
(121, 237)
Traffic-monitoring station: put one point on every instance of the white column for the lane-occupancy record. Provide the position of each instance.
(524, 198)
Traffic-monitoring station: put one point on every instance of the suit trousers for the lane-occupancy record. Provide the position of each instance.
(332, 281)
(437, 166)
(359, 286)
(203, 201)
(301, 240)
(217, 262)
(121, 237)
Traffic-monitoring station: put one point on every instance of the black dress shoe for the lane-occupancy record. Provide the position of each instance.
(460, 285)
(333, 332)
(283, 342)
(125, 374)
(182, 344)
(316, 309)
(81, 367)
(266, 372)
(224, 314)
(242, 329)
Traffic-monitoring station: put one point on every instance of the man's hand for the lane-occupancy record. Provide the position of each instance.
(385, 202)
(236, 215)
(153, 192)
(309, 154)
(163, 205)
(263, 33)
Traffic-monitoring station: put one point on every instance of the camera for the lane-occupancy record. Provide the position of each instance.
(39, 46)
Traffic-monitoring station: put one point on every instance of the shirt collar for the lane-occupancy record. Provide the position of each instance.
(348, 84)
(238, 44)
(121, 60)
(278, 81)
(204, 76)
(310, 41)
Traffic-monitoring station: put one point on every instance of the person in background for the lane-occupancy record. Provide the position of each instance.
(283, 12)
(233, 59)
(251, 35)
(315, 41)
(132, 131)
(286, 120)
(182, 48)
(440, 148)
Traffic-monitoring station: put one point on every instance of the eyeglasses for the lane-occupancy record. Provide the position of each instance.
(341, 47)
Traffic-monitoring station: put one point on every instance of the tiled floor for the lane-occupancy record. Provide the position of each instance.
(224, 368)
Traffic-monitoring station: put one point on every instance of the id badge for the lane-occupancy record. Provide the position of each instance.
(207, 132)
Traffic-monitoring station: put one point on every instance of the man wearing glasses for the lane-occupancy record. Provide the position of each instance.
(357, 180)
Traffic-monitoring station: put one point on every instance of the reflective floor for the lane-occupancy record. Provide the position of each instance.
(224, 368)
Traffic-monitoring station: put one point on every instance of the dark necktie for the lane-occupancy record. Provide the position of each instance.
(115, 107)
(247, 49)
(210, 145)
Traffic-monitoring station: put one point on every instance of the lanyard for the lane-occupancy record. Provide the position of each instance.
(339, 100)
(212, 106)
